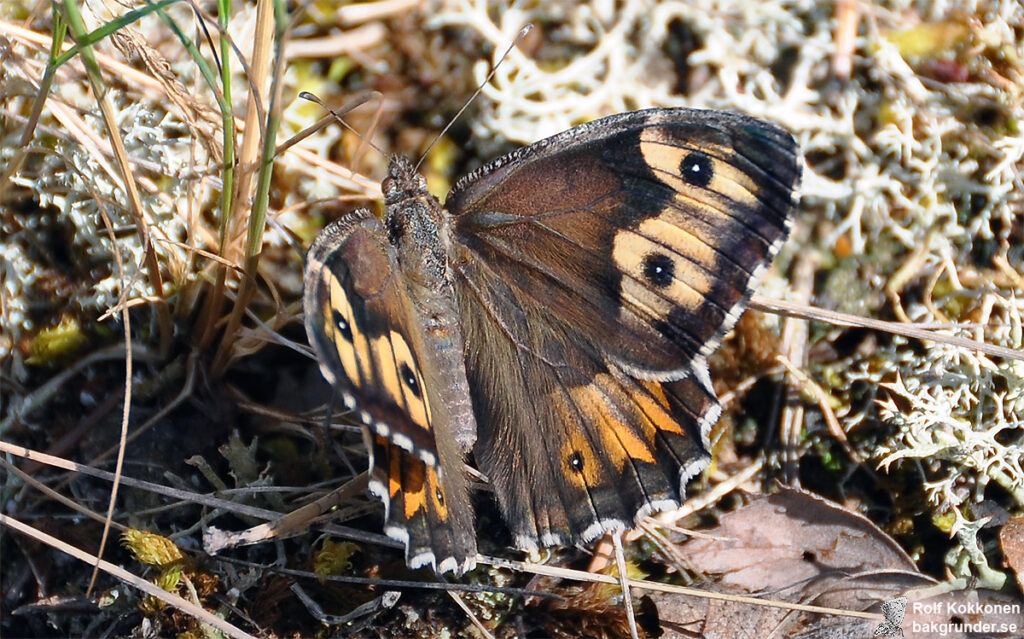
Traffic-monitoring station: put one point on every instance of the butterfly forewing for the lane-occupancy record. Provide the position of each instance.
(644, 229)
(361, 337)
(371, 350)
(598, 269)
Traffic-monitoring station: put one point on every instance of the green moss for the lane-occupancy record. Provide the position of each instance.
(54, 345)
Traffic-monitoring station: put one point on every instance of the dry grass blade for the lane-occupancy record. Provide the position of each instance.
(624, 583)
(642, 584)
(815, 389)
(351, 41)
(186, 392)
(784, 307)
(259, 138)
(794, 338)
(126, 403)
(159, 489)
(127, 175)
(56, 496)
(378, 10)
(46, 391)
(293, 523)
(480, 627)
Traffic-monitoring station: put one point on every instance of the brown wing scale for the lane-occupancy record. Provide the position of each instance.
(416, 509)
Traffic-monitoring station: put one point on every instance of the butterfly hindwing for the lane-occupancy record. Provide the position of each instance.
(590, 448)
(416, 509)
(372, 351)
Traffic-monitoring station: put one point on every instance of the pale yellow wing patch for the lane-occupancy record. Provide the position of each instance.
(666, 158)
(341, 329)
(659, 274)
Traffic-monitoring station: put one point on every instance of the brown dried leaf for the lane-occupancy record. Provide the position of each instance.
(792, 536)
(1011, 540)
(799, 548)
(802, 549)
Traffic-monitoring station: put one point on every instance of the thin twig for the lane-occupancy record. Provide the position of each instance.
(580, 575)
(627, 596)
(789, 309)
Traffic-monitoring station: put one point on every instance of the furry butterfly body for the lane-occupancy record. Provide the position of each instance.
(550, 324)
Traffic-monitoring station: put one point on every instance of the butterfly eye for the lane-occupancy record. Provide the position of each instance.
(343, 326)
(659, 269)
(696, 168)
(410, 380)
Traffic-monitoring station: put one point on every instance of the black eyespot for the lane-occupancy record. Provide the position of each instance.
(659, 269)
(697, 169)
(576, 462)
(410, 379)
(440, 497)
(343, 326)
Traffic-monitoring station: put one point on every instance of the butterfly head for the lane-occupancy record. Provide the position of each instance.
(402, 182)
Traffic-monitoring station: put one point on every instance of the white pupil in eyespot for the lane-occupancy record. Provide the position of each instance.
(410, 379)
(344, 329)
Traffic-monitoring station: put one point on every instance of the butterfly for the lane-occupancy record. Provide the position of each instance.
(549, 324)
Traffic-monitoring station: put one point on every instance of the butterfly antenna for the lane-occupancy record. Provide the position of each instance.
(335, 115)
(518, 39)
